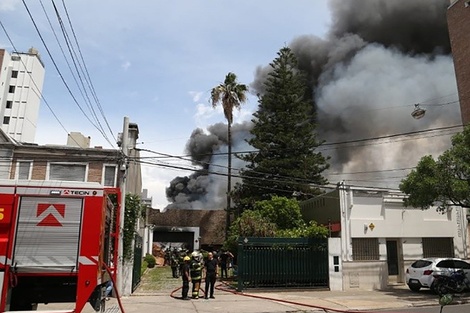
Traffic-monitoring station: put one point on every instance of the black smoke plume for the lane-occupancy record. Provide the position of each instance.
(378, 60)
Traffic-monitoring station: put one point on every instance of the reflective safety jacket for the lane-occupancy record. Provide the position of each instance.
(195, 270)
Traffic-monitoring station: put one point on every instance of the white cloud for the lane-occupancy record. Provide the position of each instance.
(125, 66)
(204, 112)
(196, 95)
(8, 5)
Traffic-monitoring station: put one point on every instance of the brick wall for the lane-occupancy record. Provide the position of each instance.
(95, 171)
(458, 20)
(39, 170)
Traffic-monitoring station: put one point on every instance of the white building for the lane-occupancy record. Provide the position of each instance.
(21, 81)
(374, 237)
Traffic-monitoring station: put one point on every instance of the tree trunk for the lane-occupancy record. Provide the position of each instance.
(229, 178)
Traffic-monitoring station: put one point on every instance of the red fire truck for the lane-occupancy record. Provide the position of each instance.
(58, 242)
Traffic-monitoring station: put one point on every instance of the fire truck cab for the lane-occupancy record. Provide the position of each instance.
(58, 242)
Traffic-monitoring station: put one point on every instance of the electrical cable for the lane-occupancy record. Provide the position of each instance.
(89, 81)
(79, 68)
(36, 90)
(58, 70)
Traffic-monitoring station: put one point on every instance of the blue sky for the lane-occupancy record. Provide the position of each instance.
(155, 62)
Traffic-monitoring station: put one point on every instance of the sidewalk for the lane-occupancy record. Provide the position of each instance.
(156, 296)
(396, 298)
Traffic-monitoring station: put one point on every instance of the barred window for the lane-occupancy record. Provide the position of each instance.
(24, 170)
(438, 247)
(110, 175)
(365, 249)
(67, 172)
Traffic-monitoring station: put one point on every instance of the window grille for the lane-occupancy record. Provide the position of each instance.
(365, 249)
(438, 247)
(67, 172)
(110, 175)
(24, 169)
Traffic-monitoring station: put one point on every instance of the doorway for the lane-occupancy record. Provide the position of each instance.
(392, 257)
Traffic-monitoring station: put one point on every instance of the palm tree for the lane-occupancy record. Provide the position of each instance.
(231, 95)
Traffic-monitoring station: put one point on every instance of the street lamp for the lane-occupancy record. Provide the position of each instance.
(418, 112)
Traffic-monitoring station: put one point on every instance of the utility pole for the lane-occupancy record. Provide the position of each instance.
(122, 185)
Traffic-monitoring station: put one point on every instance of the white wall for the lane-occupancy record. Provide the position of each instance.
(334, 252)
(26, 98)
(368, 213)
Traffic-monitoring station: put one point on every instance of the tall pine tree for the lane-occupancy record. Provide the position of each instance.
(284, 136)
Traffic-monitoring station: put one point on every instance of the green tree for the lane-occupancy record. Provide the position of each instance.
(283, 212)
(443, 182)
(231, 95)
(285, 163)
(310, 230)
(249, 224)
(278, 217)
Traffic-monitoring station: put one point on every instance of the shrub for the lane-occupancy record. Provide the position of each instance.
(150, 259)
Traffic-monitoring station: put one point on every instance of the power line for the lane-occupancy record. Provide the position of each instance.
(35, 90)
(85, 68)
(59, 72)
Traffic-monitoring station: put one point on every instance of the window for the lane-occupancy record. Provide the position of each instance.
(451, 263)
(6, 120)
(109, 179)
(23, 170)
(14, 74)
(421, 264)
(438, 247)
(11, 89)
(365, 249)
(67, 172)
(9, 104)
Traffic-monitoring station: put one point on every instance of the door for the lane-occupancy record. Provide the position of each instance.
(392, 257)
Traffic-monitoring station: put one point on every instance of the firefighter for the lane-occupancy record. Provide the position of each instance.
(195, 271)
(186, 277)
(174, 263)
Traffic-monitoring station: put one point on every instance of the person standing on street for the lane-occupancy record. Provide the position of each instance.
(195, 271)
(186, 277)
(224, 258)
(174, 263)
(210, 267)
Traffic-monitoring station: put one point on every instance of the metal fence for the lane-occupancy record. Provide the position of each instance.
(136, 270)
(282, 262)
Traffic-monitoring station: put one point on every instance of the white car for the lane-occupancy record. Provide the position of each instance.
(420, 273)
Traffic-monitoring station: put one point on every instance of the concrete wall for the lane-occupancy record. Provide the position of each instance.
(365, 275)
(335, 264)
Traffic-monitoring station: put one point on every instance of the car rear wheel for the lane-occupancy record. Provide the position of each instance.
(414, 288)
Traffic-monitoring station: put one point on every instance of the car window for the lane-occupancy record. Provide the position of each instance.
(421, 263)
(461, 264)
(453, 264)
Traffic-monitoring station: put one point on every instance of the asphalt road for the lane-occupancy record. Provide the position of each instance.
(434, 309)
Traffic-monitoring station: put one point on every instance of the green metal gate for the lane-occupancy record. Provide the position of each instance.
(282, 262)
(136, 270)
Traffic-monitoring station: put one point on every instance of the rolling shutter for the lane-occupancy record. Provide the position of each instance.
(48, 234)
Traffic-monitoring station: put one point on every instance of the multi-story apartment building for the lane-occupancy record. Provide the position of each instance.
(21, 81)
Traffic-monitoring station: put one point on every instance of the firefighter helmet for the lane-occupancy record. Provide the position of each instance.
(197, 256)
